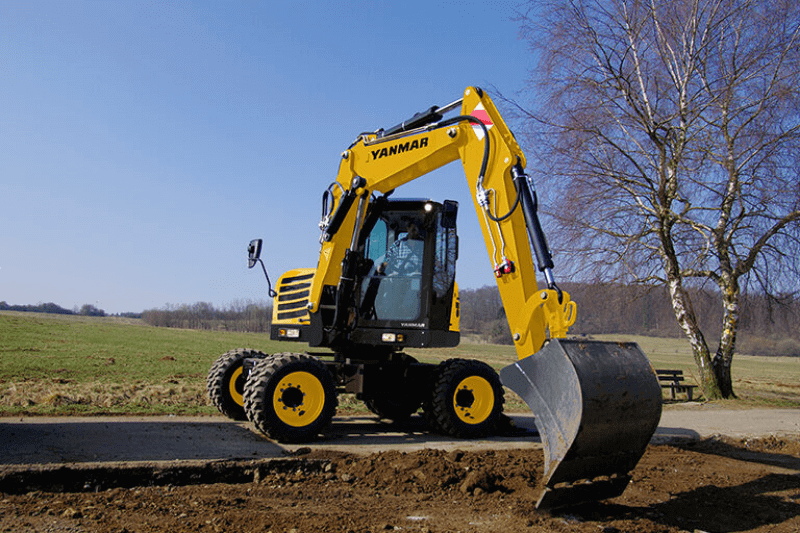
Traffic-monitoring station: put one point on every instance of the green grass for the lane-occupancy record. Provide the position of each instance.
(53, 364)
(757, 381)
(63, 365)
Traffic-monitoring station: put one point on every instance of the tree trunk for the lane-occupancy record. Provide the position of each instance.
(722, 374)
(727, 343)
(687, 319)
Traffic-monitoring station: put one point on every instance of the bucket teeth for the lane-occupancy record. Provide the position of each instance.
(597, 404)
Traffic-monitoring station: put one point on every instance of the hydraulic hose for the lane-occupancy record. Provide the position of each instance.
(484, 162)
(511, 210)
(474, 120)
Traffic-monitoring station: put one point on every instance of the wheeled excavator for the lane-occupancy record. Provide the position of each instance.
(385, 282)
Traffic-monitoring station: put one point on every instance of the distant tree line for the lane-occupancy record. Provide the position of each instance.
(239, 316)
(50, 307)
(769, 326)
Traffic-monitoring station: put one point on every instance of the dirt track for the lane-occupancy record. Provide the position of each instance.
(410, 481)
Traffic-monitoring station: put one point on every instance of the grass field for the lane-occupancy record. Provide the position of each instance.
(66, 365)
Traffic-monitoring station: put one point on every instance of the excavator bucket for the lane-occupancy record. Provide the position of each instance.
(597, 404)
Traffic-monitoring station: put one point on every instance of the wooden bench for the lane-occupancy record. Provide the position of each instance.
(674, 380)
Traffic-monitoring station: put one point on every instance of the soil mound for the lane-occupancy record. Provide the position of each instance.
(714, 485)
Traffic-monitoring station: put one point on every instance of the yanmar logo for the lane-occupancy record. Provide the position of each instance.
(400, 148)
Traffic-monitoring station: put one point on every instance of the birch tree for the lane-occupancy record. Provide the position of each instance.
(666, 136)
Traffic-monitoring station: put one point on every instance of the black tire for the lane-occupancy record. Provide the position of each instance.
(290, 397)
(466, 399)
(395, 395)
(225, 382)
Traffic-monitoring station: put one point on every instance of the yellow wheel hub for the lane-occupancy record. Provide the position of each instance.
(299, 399)
(235, 386)
(473, 400)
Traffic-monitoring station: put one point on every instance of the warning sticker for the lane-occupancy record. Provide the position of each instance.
(480, 113)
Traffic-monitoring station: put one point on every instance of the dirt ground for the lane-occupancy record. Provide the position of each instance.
(713, 485)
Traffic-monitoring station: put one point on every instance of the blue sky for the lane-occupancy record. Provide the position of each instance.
(143, 144)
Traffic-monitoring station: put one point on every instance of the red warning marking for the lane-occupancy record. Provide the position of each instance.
(481, 114)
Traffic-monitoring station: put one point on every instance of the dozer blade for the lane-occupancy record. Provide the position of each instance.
(597, 404)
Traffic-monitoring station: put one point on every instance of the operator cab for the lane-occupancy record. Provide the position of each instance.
(408, 275)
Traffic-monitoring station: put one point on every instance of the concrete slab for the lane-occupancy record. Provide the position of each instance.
(170, 438)
(43, 440)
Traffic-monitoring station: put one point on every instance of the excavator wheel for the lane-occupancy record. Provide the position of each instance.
(467, 399)
(290, 397)
(396, 396)
(226, 379)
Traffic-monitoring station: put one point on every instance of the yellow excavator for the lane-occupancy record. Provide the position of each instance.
(385, 281)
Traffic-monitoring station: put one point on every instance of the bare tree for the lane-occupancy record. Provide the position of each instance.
(667, 133)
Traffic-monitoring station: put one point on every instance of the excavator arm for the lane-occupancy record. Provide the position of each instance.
(596, 404)
(378, 163)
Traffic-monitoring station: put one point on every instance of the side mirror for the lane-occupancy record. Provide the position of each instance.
(253, 252)
(449, 213)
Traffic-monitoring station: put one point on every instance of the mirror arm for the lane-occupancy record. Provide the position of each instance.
(272, 293)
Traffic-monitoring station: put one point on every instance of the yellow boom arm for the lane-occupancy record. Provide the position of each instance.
(492, 162)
